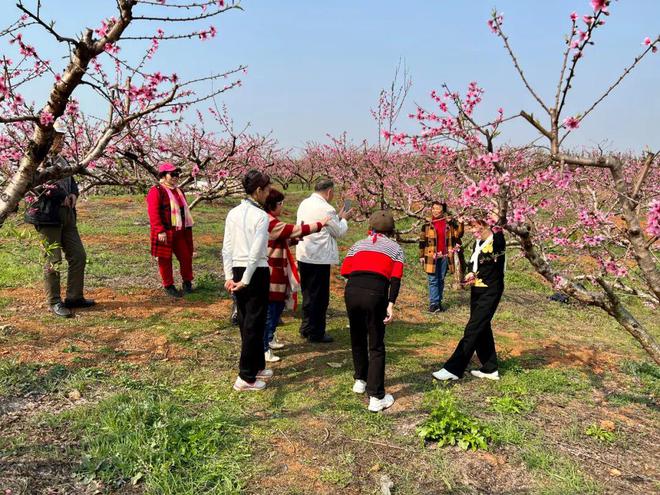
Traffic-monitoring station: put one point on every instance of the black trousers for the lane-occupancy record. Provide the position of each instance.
(478, 335)
(315, 285)
(367, 309)
(252, 303)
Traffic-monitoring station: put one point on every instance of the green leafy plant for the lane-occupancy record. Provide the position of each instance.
(511, 404)
(447, 425)
(600, 433)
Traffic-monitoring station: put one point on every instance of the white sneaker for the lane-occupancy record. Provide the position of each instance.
(241, 385)
(359, 386)
(270, 357)
(265, 374)
(276, 344)
(444, 375)
(376, 405)
(491, 376)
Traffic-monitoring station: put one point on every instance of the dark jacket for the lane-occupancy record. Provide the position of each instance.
(490, 264)
(46, 210)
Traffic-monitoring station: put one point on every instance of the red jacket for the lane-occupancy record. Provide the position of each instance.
(158, 207)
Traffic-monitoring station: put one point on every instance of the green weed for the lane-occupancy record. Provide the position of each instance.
(599, 433)
(511, 404)
(447, 425)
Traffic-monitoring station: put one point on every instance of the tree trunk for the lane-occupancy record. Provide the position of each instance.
(637, 330)
(634, 231)
(605, 300)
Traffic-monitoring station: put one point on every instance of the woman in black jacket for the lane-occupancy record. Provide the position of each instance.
(486, 279)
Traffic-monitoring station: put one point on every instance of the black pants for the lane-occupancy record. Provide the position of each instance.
(478, 334)
(315, 285)
(367, 309)
(252, 302)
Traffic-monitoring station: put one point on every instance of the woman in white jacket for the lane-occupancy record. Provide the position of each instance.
(316, 254)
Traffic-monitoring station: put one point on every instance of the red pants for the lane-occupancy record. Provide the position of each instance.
(180, 249)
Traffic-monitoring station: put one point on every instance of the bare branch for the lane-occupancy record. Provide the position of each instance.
(47, 27)
(646, 168)
(607, 92)
(517, 66)
(19, 118)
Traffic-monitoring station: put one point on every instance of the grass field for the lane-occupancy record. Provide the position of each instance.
(134, 395)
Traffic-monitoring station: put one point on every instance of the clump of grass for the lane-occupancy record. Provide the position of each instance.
(560, 475)
(336, 476)
(511, 404)
(448, 425)
(148, 437)
(21, 378)
(647, 373)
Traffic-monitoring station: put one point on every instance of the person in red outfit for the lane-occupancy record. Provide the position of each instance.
(171, 229)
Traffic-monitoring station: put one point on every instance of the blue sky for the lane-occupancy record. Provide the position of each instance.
(317, 67)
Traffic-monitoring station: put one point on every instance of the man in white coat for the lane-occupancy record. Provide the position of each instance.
(315, 254)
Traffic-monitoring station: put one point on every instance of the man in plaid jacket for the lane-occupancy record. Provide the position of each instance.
(440, 251)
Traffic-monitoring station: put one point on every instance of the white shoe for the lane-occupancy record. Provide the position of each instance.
(359, 386)
(444, 375)
(276, 344)
(376, 405)
(491, 376)
(265, 374)
(241, 385)
(270, 357)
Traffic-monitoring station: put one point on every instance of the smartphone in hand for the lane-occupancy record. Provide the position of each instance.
(348, 204)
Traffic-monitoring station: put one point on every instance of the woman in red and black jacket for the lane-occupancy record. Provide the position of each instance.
(374, 267)
(171, 229)
(284, 279)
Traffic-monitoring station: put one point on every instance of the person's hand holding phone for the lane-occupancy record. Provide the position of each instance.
(346, 210)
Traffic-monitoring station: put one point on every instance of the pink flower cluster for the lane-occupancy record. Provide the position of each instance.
(106, 24)
(599, 5)
(209, 33)
(25, 50)
(593, 240)
(614, 268)
(4, 89)
(495, 22)
(395, 138)
(46, 118)
(653, 219)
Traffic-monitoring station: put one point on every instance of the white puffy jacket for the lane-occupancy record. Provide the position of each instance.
(320, 248)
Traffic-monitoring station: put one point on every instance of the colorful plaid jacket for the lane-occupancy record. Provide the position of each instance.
(428, 243)
(281, 235)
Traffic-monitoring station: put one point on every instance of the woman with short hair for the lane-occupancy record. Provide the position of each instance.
(486, 279)
(171, 229)
(374, 268)
(245, 262)
(284, 278)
